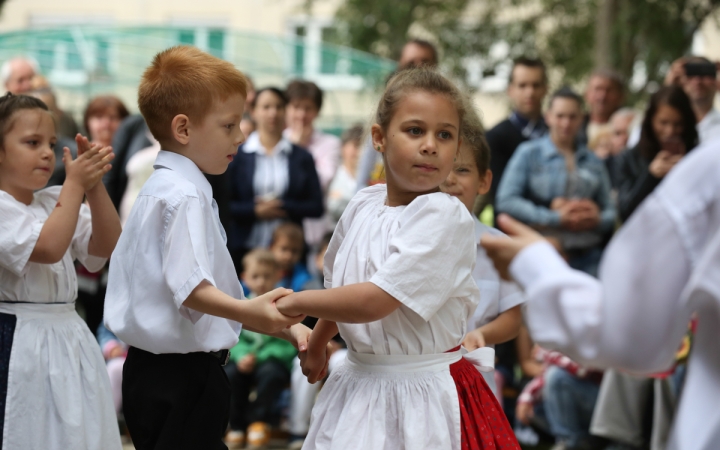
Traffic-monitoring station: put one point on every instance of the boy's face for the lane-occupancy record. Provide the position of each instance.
(215, 141)
(464, 181)
(287, 252)
(260, 278)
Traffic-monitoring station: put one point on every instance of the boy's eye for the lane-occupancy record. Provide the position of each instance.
(415, 131)
(32, 142)
(230, 126)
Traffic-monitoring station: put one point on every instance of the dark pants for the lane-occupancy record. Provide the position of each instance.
(175, 401)
(269, 379)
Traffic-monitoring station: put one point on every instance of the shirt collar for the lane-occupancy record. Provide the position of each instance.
(549, 150)
(186, 168)
(253, 145)
(530, 129)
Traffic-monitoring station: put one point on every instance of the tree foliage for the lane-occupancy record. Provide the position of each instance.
(644, 35)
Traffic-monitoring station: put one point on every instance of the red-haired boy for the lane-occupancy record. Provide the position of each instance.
(173, 291)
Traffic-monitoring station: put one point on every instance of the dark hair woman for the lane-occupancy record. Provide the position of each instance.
(668, 133)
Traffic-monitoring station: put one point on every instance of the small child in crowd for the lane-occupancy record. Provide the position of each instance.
(497, 318)
(400, 289)
(344, 185)
(287, 246)
(257, 361)
(114, 351)
(173, 293)
(54, 390)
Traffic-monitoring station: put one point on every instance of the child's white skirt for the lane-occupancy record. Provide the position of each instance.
(388, 402)
(57, 390)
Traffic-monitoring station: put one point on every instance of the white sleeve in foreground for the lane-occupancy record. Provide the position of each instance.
(633, 317)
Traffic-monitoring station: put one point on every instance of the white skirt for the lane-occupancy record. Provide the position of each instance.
(58, 392)
(388, 402)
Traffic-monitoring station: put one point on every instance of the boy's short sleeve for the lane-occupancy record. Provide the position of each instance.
(510, 296)
(19, 232)
(185, 259)
(431, 255)
(81, 239)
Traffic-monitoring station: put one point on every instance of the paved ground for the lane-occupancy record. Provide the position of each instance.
(276, 444)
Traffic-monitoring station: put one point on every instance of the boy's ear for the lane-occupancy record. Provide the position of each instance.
(485, 183)
(180, 128)
(378, 138)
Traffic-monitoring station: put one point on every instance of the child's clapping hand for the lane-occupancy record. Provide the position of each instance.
(91, 164)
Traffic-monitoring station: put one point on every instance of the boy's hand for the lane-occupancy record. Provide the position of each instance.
(314, 362)
(286, 306)
(89, 168)
(474, 340)
(503, 250)
(299, 336)
(264, 316)
(246, 364)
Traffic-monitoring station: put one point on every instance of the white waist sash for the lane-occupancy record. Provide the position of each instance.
(435, 362)
(39, 310)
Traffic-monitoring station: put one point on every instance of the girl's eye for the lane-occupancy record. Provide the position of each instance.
(230, 126)
(415, 131)
(445, 135)
(33, 142)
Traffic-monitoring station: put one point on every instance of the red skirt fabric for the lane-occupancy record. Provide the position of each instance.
(483, 423)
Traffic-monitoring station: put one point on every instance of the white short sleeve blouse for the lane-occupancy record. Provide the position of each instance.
(422, 254)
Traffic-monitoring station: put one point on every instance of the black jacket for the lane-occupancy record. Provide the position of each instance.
(503, 139)
(302, 199)
(634, 181)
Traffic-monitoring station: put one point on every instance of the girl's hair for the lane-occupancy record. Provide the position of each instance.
(473, 134)
(9, 105)
(412, 80)
(280, 94)
(100, 106)
(676, 98)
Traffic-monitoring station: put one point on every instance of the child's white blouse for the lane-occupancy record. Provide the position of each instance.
(423, 255)
(20, 225)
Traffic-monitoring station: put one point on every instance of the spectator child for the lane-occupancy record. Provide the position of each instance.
(344, 185)
(55, 390)
(400, 286)
(114, 351)
(497, 318)
(287, 247)
(173, 291)
(257, 361)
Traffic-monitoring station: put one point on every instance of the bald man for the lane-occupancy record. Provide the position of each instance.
(17, 75)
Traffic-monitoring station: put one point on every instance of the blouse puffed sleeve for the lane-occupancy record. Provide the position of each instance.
(19, 232)
(432, 255)
(361, 199)
(81, 239)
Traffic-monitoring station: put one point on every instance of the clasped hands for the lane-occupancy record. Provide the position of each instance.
(577, 214)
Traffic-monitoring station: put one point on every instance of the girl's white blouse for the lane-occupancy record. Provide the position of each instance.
(20, 225)
(423, 255)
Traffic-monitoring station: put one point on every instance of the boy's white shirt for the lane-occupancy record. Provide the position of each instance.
(496, 294)
(172, 241)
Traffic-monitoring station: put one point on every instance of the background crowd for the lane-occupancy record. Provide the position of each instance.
(573, 166)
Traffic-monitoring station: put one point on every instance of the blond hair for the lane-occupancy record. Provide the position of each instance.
(185, 80)
(413, 80)
(260, 256)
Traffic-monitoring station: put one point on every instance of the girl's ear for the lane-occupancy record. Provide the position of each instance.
(485, 182)
(378, 138)
(180, 128)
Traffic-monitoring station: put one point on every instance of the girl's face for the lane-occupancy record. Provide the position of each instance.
(269, 113)
(667, 123)
(102, 127)
(27, 158)
(465, 181)
(420, 143)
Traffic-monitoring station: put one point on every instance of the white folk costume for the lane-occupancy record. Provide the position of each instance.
(405, 384)
(54, 389)
(496, 294)
(663, 265)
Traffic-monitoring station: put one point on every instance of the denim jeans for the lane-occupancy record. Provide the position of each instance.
(569, 403)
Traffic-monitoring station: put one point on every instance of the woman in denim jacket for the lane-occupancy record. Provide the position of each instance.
(561, 188)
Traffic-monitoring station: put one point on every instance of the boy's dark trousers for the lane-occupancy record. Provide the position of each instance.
(175, 401)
